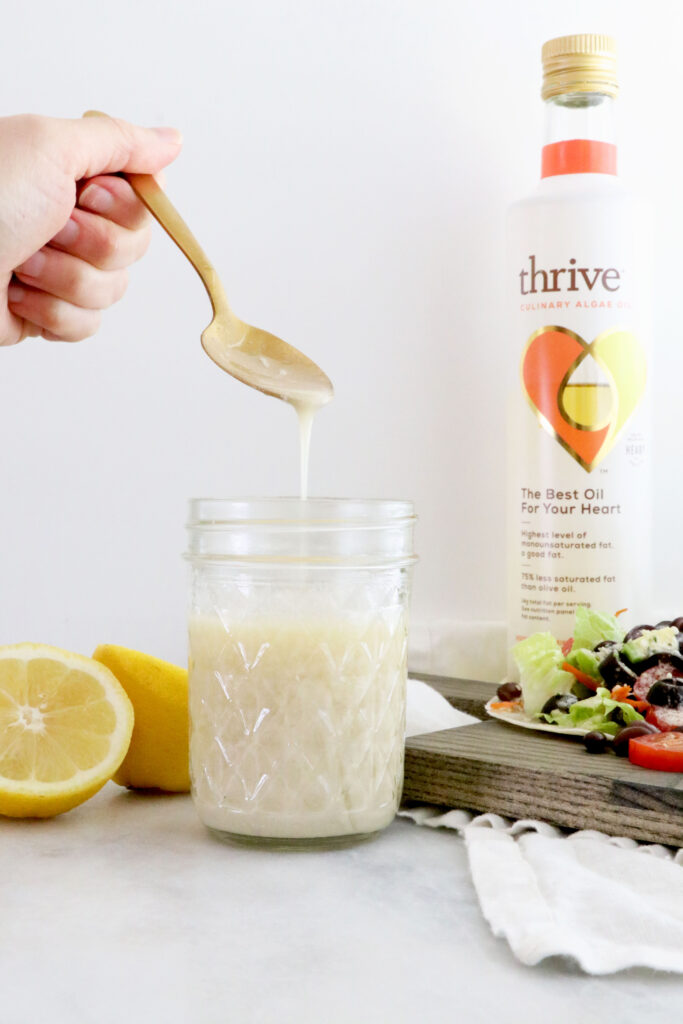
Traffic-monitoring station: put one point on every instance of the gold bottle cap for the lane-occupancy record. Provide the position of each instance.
(584, 63)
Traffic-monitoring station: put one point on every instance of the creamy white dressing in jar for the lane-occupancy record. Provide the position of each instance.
(298, 646)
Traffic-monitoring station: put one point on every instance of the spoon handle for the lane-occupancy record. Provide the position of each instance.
(148, 190)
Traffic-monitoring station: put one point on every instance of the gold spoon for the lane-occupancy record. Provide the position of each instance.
(247, 353)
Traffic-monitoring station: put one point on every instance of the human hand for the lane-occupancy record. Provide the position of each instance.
(68, 226)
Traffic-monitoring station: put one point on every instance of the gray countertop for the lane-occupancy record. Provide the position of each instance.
(126, 909)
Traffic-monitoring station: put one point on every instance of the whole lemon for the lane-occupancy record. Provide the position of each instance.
(158, 756)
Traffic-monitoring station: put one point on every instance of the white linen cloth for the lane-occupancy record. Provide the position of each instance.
(608, 902)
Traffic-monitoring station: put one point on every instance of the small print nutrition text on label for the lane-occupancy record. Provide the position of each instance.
(559, 584)
(553, 544)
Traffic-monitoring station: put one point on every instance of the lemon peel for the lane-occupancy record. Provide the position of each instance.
(158, 756)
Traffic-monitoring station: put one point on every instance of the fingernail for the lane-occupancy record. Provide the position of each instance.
(68, 234)
(169, 135)
(96, 198)
(33, 266)
(15, 293)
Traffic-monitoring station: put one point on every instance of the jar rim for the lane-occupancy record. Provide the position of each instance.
(291, 532)
(298, 513)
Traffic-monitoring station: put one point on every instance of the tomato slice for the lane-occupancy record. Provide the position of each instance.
(660, 750)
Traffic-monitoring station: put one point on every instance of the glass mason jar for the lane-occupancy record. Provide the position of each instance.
(298, 627)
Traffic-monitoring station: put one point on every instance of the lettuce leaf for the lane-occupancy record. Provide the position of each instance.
(539, 661)
(591, 628)
(593, 713)
(586, 661)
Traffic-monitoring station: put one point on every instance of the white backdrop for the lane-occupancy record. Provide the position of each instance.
(347, 166)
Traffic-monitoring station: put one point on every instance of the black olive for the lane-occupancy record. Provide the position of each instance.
(617, 715)
(666, 693)
(615, 673)
(672, 659)
(582, 692)
(678, 623)
(668, 658)
(558, 702)
(595, 742)
(637, 631)
(509, 691)
(663, 623)
(603, 643)
(624, 736)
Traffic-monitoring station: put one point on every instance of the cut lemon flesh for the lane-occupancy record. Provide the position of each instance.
(65, 727)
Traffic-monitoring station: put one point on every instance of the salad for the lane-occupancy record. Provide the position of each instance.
(616, 686)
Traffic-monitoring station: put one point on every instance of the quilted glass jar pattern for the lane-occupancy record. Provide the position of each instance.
(298, 626)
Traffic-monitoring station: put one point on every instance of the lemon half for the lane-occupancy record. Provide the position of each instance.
(65, 727)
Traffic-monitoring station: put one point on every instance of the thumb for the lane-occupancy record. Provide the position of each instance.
(104, 145)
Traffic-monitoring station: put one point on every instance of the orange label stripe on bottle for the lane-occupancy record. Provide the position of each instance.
(578, 156)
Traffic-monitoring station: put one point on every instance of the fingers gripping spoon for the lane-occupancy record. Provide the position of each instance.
(247, 353)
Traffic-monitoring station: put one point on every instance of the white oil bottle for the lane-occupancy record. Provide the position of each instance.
(578, 309)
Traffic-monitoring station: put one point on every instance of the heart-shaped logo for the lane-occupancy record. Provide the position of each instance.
(586, 415)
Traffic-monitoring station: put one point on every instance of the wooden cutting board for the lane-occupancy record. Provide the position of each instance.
(521, 774)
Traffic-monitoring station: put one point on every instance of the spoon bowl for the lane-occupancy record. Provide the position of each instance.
(266, 363)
